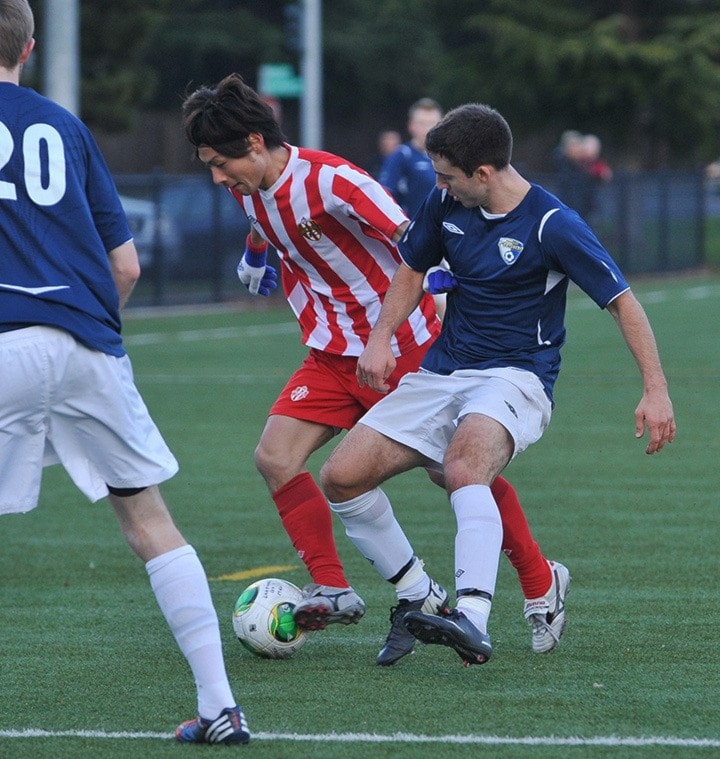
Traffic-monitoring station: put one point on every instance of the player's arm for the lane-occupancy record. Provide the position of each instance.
(377, 361)
(125, 269)
(655, 408)
(400, 231)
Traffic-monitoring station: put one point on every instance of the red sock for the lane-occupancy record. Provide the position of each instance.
(306, 517)
(518, 543)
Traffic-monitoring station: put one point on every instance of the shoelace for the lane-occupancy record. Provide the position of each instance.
(539, 625)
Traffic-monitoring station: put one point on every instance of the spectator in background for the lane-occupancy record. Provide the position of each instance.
(388, 141)
(407, 172)
(597, 167)
(574, 183)
(581, 171)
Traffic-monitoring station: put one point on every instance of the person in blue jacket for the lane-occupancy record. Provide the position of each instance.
(407, 173)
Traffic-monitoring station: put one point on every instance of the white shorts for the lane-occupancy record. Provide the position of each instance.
(61, 402)
(424, 410)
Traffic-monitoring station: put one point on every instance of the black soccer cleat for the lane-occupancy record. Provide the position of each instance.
(452, 628)
(399, 641)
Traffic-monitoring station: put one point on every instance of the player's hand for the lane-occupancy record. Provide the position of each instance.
(268, 281)
(439, 279)
(254, 272)
(655, 412)
(375, 365)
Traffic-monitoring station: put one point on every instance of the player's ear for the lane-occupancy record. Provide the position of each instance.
(27, 50)
(483, 172)
(256, 142)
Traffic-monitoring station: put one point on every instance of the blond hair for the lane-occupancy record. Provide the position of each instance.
(16, 30)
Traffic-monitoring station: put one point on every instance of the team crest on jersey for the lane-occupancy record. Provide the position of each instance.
(509, 249)
(309, 229)
(299, 393)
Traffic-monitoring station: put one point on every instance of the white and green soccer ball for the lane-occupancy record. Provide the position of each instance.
(263, 619)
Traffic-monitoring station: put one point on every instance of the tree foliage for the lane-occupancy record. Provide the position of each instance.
(643, 74)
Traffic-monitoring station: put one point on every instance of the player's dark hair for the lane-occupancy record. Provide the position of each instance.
(470, 136)
(16, 29)
(222, 118)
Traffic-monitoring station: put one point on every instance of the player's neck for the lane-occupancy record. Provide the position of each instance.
(508, 191)
(10, 75)
(279, 158)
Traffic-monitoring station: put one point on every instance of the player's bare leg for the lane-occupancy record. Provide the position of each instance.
(281, 457)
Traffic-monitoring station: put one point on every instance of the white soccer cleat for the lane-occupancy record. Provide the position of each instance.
(546, 614)
(323, 605)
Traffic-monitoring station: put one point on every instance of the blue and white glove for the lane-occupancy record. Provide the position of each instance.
(439, 279)
(254, 271)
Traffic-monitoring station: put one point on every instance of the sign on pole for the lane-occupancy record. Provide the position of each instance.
(279, 80)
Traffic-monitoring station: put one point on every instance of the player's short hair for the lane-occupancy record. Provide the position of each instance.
(16, 29)
(222, 117)
(472, 135)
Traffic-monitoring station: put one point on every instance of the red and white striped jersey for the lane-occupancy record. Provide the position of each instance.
(332, 225)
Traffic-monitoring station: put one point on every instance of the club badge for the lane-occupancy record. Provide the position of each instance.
(510, 249)
(310, 229)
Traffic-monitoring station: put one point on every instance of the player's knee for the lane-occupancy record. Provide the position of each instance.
(277, 465)
(457, 474)
(266, 460)
(339, 481)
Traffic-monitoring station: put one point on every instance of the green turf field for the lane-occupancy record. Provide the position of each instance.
(86, 655)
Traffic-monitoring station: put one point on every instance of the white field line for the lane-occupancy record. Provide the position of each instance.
(218, 333)
(287, 328)
(487, 740)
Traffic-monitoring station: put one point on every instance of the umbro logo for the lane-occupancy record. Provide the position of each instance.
(512, 410)
(452, 228)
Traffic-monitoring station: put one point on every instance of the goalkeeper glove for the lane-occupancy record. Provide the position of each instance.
(439, 279)
(254, 271)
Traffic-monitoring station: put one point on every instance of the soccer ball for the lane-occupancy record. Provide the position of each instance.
(263, 619)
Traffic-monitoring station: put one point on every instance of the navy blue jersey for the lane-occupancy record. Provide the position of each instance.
(59, 216)
(408, 175)
(513, 273)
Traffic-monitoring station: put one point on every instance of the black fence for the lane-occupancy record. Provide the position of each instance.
(650, 221)
(190, 234)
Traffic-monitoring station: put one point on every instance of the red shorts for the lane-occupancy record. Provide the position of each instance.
(325, 389)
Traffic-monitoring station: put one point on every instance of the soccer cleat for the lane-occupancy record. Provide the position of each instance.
(451, 628)
(546, 614)
(228, 728)
(400, 641)
(323, 605)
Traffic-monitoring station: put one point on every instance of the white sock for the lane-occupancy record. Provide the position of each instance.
(414, 584)
(183, 594)
(371, 526)
(476, 609)
(478, 540)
